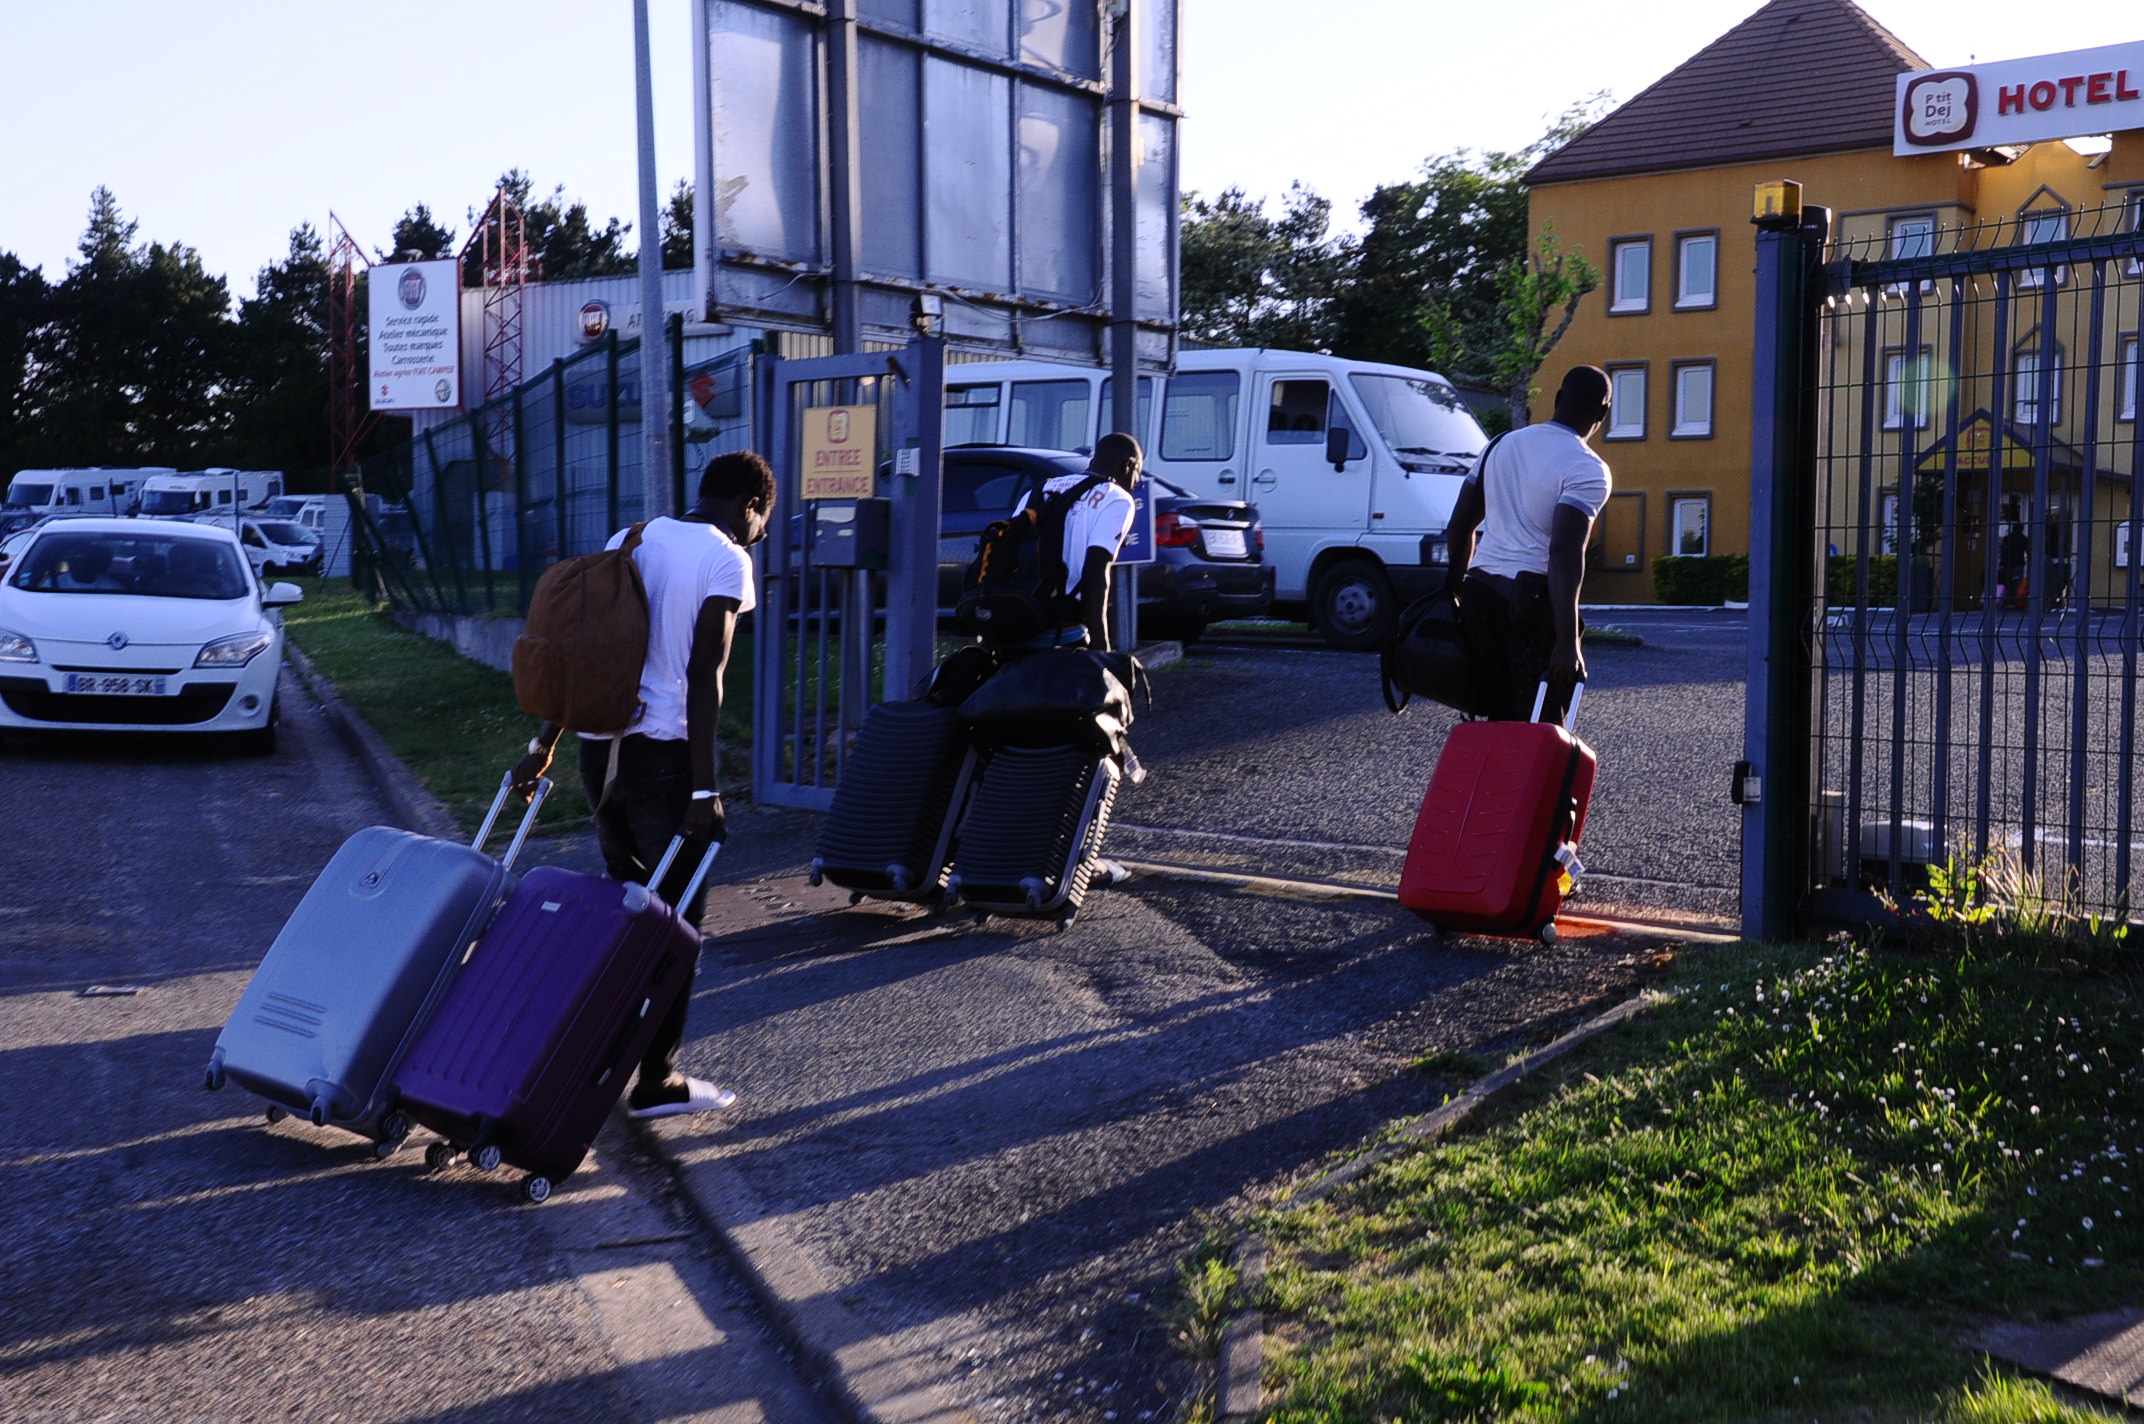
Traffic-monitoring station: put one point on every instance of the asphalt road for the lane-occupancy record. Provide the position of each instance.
(168, 1256)
(1283, 758)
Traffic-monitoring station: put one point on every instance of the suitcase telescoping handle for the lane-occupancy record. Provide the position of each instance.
(1570, 716)
(699, 876)
(528, 817)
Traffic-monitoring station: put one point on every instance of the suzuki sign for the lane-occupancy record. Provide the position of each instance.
(2019, 101)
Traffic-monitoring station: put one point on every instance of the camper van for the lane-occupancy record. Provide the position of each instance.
(98, 490)
(1353, 466)
(307, 511)
(173, 495)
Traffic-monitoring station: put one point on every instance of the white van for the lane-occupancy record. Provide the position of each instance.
(1354, 466)
(94, 490)
(307, 511)
(215, 491)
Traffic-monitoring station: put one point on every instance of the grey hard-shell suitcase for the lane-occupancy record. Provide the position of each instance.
(903, 786)
(341, 994)
(1033, 833)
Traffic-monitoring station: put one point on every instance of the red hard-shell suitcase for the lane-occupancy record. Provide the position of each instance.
(543, 1029)
(1495, 846)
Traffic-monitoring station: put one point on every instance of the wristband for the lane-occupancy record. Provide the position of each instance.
(707, 796)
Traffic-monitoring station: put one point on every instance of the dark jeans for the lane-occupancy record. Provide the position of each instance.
(634, 825)
(1510, 631)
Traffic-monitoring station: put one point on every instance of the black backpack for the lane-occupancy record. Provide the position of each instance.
(1015, 589)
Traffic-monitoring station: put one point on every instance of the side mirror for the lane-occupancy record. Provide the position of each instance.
(282, 595)
(1337, 439)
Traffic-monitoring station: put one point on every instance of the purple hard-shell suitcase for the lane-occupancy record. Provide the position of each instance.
(542, 1031)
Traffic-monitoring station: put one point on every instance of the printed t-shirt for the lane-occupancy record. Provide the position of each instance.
(1100, 520)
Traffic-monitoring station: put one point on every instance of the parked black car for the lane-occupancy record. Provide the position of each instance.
(1210, 553)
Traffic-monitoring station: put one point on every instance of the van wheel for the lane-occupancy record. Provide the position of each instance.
(1353, 606)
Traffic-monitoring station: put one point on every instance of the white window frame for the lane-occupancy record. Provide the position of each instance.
(1894, 384)
(1623, 423)
(2019, 395)
(1621, 302)
(1899, 232)
(1682, 425)
(2134, 202)
(2128, 375)
(2028, 224)
(1887, 523)
(1676, 504)
(1685, 299)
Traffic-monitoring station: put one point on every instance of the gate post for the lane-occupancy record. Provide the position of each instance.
(912, 561)
(1782, 518)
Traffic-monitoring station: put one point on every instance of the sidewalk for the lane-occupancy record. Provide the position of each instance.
(966, 1159)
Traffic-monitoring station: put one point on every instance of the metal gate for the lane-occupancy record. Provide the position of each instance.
(1949, 666)
(838, 630)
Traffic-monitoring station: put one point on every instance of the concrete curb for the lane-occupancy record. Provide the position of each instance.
(1239, 1383)
(414, 806)
(863, 1371)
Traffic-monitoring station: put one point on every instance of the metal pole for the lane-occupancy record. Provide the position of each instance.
(844, 140)
(1123, 279)
(706, 249)
(1781, 572)
(912, 559)
(654, 377)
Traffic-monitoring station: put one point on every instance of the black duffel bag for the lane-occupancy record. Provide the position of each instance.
(1427, 656)
(1056, 697)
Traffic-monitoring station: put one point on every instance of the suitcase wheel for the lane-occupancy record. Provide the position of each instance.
(856, 897)
(1064, 921)
(485, 1158)
(215, 1079)
(1548, 933)
(439, 1156)
(394, 1130)
(276, 1114)
(536, 1190)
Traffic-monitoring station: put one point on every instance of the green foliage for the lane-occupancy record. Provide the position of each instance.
(1205, 1292)
(1999, 905)
(418, 237)
(1251, 280)
(1790, 1192)
(1710, 580)
(278, 386)
(1545, 287)
(564, 242)
(677, 227)
(1842, 574)
(23, 294)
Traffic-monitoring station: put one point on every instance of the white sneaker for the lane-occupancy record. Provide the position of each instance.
(700, 1096)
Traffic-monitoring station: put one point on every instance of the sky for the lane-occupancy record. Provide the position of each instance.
(224, 124)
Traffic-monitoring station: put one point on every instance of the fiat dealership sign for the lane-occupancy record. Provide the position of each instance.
(416, 321)
(2016, 101)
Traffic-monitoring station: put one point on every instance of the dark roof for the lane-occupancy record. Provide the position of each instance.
(1799, 76)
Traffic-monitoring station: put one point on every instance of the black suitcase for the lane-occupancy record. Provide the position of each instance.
(902, 788)
(1032, 837)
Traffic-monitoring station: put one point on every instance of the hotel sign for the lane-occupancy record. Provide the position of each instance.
(2017, 101)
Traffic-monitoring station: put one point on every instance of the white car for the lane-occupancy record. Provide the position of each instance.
(142, 625)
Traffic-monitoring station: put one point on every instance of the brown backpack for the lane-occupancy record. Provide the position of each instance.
(578, 662)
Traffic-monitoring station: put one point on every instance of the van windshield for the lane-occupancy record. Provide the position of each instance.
(283, 532)
(167, 501)
(1418, 418)
(21, 495)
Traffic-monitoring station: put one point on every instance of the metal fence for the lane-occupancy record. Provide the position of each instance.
(1977, 606)
(463, 517)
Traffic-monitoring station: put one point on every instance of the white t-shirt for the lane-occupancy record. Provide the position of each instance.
(1100, 520)
(1524, 478)
(682, 563)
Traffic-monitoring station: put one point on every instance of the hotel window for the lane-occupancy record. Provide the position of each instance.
(1905, 387)
(2135, 205)
(2125, 380)
(2025, 407)
(2049, 225)
(1913, 235)
(1693, 401)
(1631, 273)
(1697, 270)
(1690, 525)
(1626, 403)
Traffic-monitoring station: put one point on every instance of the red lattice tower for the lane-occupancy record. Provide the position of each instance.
(501, 244)
(350, 414)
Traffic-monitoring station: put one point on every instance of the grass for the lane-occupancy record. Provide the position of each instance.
(1792, 1193)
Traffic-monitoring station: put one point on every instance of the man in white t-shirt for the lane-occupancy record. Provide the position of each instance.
(698, 579)
(1095, 527)
(1534, 496)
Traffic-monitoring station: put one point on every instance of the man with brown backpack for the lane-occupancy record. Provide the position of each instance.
(647, 753)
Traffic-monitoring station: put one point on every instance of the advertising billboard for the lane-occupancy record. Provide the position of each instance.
(2019, 101)
(416, 336)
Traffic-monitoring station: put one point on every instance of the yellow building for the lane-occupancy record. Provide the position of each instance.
(1657, 196)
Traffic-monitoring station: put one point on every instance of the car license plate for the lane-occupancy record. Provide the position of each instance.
(1224, 543)
(113, 684)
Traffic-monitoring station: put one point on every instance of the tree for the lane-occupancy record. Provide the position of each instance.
(1547, 285)
(24, 303)
(677, 227)
(418, 237)
(129, 368)
(1253, 280)
(279, 381)
(563, 242)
